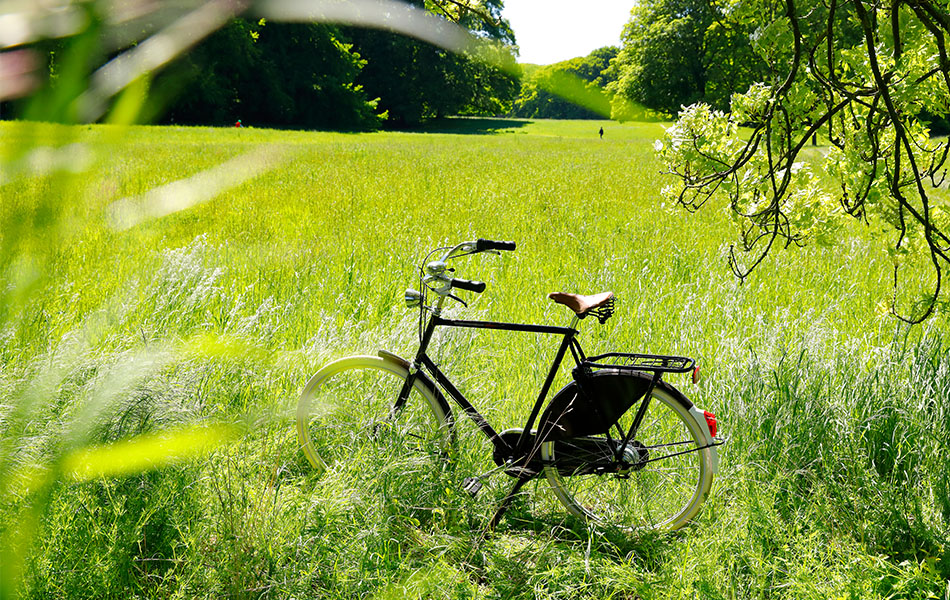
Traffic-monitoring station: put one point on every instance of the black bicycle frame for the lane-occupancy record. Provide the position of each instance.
(569, 341)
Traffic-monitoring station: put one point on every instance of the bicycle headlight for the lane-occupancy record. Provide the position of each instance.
(413, 298)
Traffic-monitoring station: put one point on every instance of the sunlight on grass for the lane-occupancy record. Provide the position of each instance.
(186, 193)
(146, 452)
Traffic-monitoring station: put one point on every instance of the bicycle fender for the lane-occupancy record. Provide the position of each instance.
(422, 378)
(700, 418)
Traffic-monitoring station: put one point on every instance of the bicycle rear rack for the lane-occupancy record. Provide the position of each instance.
(656, 363)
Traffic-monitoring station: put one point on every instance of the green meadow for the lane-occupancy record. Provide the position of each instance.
(167, 292)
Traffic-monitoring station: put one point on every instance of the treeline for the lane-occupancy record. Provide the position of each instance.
(273, 74)
(673, 53)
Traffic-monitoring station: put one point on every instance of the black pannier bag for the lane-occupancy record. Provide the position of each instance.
(592, 403)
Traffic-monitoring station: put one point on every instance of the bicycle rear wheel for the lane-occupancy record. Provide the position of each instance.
(667, 477)
(346, 415)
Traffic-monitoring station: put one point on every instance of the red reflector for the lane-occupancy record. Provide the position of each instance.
(711, 422)
(696, 374)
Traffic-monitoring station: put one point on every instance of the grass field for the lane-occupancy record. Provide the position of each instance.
(153, 345)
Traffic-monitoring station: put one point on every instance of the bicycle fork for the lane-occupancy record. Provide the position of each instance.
(416, 362)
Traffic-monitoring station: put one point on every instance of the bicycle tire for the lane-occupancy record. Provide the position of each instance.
(348, 403)
(663, 494)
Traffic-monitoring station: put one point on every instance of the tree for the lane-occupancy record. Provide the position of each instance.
(480, 17)
(866, 75)
(216, 66)
(416, 81)
(677, 52)
(729, 62)
(660, 64)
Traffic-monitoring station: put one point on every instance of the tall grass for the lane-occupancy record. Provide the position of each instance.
(149, 373)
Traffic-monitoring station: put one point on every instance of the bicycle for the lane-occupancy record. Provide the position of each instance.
(618, 445)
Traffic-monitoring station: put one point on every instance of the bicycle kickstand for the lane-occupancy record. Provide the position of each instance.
(506, 503)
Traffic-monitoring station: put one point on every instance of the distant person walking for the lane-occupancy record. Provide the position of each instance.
(601, 133)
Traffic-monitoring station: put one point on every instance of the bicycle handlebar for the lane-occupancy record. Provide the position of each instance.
(482, 244)
(435, 275)
(473, 286)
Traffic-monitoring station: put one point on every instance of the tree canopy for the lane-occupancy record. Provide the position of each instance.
(677, 52)
(415, 81)
(867, 76)
(661, 63)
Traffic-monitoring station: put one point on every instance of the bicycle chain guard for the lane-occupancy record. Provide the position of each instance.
(591, 404)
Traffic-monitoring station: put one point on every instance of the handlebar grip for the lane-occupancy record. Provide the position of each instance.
(481, 245)
(473, 286)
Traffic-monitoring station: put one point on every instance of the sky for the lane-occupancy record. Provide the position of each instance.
(549, 31)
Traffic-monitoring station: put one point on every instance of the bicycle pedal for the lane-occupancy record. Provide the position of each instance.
(472, 485)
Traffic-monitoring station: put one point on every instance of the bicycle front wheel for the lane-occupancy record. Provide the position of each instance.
(666, 476)
(346, 415)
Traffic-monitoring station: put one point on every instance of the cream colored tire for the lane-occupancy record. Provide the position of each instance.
(345, 414)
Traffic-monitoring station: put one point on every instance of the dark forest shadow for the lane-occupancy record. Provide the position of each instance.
(472, 125)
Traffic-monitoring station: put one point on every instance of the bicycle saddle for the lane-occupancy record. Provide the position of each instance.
(600, 305)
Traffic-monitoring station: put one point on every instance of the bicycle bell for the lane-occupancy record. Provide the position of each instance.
(436, 268)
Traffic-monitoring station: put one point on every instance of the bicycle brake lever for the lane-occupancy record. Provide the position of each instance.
(457, 299)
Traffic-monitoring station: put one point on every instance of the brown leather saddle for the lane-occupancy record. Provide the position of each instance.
(600, 305)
